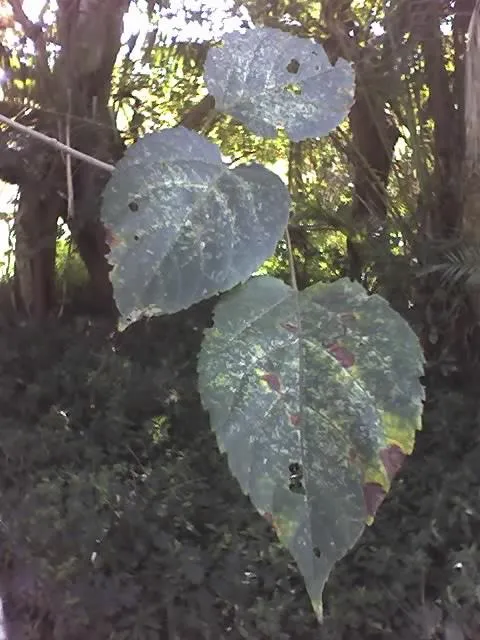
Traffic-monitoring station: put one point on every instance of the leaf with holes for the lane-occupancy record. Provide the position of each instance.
(315, 397)
(182, 226)
(267, 79)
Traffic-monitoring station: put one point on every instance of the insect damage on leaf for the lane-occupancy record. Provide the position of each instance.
(290, 326)
(273, 381)
(295, 482)
(179, 214)
(373, 494)
(293, 66)
(392, 458)
(327, 430)
(111, 239)
(341, 354)
(294, 419)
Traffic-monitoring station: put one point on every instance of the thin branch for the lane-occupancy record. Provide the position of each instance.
(43, 11)
(200, 114)
(291, 260)
(68, 161)
(34, 31)
(70, 197)
(56, 144)
(21, 17)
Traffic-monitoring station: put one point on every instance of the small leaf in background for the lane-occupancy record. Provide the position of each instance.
(267, 79)
(315, 397)
(182, 226)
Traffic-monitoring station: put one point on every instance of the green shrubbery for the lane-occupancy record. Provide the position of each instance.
(132, 474)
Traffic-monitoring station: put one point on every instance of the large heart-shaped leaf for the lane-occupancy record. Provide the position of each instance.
(184, 226)
(315, 397)
(267, 78)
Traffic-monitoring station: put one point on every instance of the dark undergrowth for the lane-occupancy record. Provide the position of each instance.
(120, 519)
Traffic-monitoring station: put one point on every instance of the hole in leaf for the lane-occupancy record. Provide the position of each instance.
(293, 66)
(136, 237)
(294, 467)
(296, 486)
(133, 206)
(294, 88)
(316, 552)
(296, 476)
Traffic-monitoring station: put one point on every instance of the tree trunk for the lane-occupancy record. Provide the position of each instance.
(471, 178)
(447, 319)
(374, 136)
(78, 89)
(90, 39)
(35, 240)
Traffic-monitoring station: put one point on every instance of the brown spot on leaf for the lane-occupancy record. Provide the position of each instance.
(373, 494)
(290, 326)
(268, 517)
(392, 458)
(271, 521)
(273, 381)
(341, 355)
(110, 238)
(294, 419)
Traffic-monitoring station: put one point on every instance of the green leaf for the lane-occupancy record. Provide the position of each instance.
(267, 78)
(315, 397)
(183, 226)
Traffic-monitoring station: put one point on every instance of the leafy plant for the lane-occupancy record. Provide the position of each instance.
(460, 264)
(314, 395)
(186, 226)
(267, 78)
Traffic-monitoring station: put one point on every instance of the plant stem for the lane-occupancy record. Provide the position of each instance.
(291, 260)
(56, 144)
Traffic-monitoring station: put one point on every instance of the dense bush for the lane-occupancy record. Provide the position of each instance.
(105, 450)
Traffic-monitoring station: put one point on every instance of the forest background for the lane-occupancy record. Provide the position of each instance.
(119, 517)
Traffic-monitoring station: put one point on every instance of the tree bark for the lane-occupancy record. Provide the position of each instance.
(447, 320)
(35, 240)
(374, 136)
(90, 38)
(78, 89)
